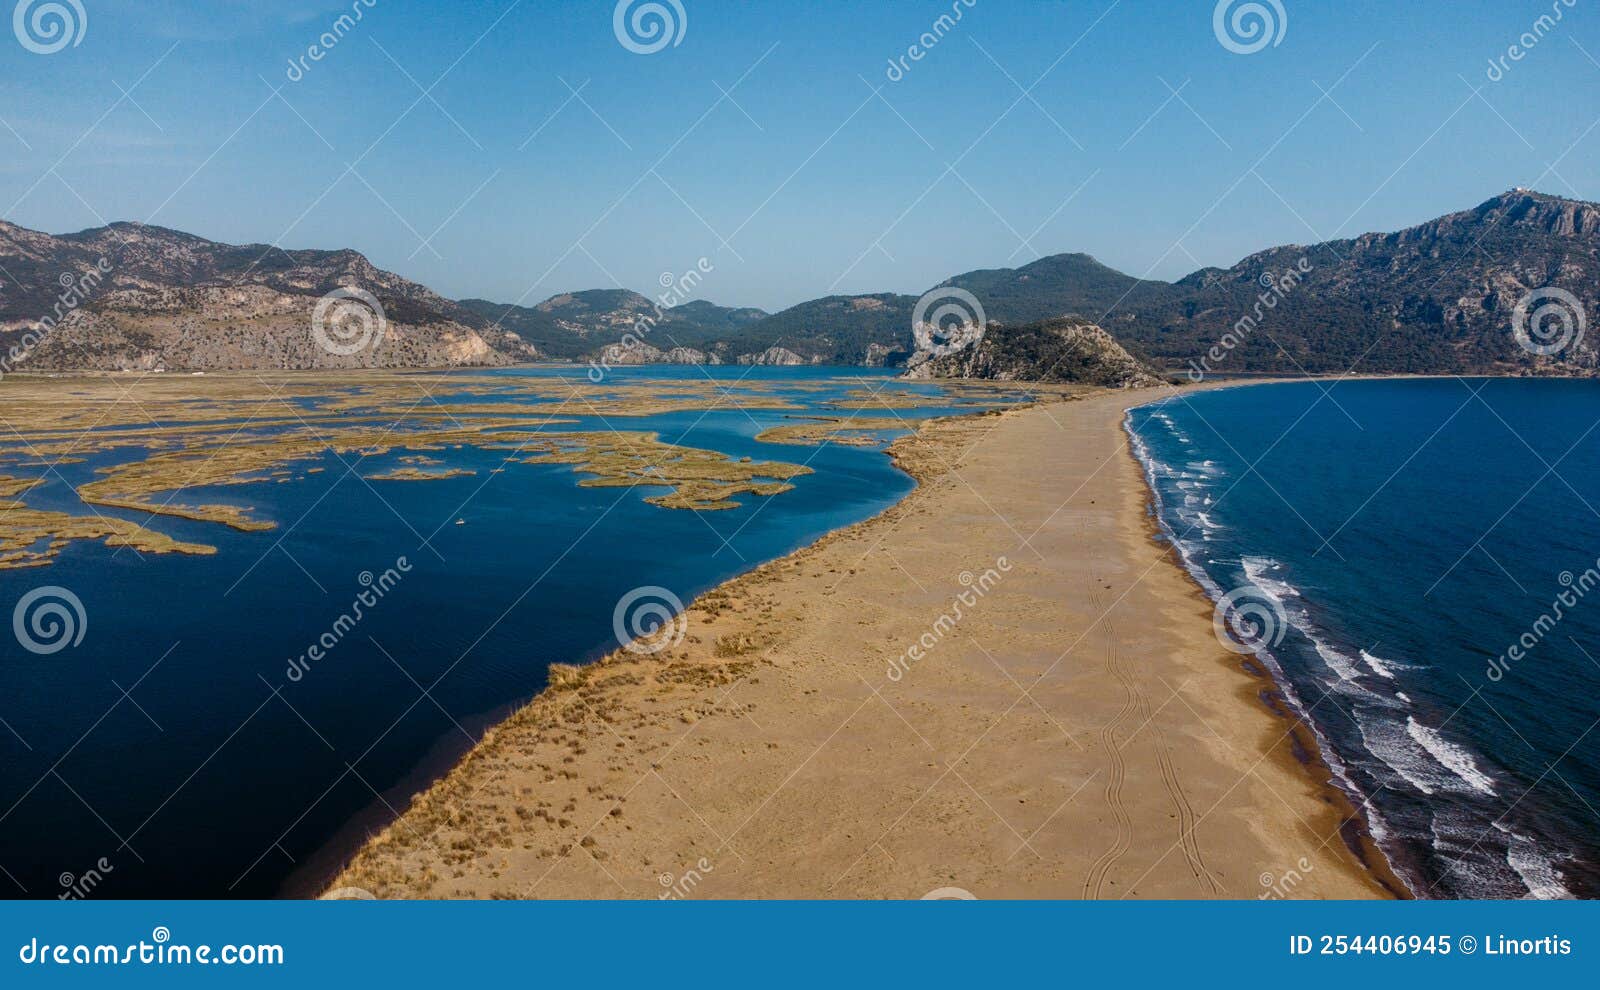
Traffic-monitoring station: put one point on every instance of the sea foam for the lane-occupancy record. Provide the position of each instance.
(1539, 874)
(1448, 753)
(1377, 666)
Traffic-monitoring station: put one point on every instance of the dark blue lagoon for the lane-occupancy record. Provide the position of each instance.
(188, 745)
(1416, 562)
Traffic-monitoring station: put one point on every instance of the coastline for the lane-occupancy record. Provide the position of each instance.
(1307, 747)
(769, 754)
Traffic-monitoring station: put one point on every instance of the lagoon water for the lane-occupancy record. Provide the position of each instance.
(217, 774)
(1394, 540)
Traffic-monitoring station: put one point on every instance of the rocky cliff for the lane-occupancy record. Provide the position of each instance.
(1065, 349)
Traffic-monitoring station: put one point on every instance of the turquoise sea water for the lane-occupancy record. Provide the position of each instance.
(219, 774)
(1416, 562)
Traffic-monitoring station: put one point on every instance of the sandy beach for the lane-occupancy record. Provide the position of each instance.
(1001, 686)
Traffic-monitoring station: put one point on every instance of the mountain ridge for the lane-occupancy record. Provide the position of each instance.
(1439, 296)
(132, 297)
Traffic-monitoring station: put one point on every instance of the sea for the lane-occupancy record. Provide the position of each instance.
(190, 746)
(1417, 564)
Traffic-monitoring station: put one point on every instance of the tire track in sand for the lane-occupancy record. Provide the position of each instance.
(1137, 701)
(1116, 767)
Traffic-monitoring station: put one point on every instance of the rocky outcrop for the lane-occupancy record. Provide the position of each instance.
(773, 355)
(638, 352)
(935, 342)
(878, 355)
(1066, 349)
(688, 355)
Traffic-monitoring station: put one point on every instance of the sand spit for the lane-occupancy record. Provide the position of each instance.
(1002, 685)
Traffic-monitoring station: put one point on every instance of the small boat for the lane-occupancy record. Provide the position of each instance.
(461, 522)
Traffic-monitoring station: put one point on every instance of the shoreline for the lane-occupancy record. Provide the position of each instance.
(475, 823)
(1309, 751)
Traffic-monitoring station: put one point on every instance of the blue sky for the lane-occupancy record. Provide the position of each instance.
(1029, 128)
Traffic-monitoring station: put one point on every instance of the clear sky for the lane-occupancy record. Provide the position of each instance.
(513, 149)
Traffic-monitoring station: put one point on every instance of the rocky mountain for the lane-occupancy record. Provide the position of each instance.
(1442, 296)
(129, 296)
(1061, 349)
(1438, 297)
